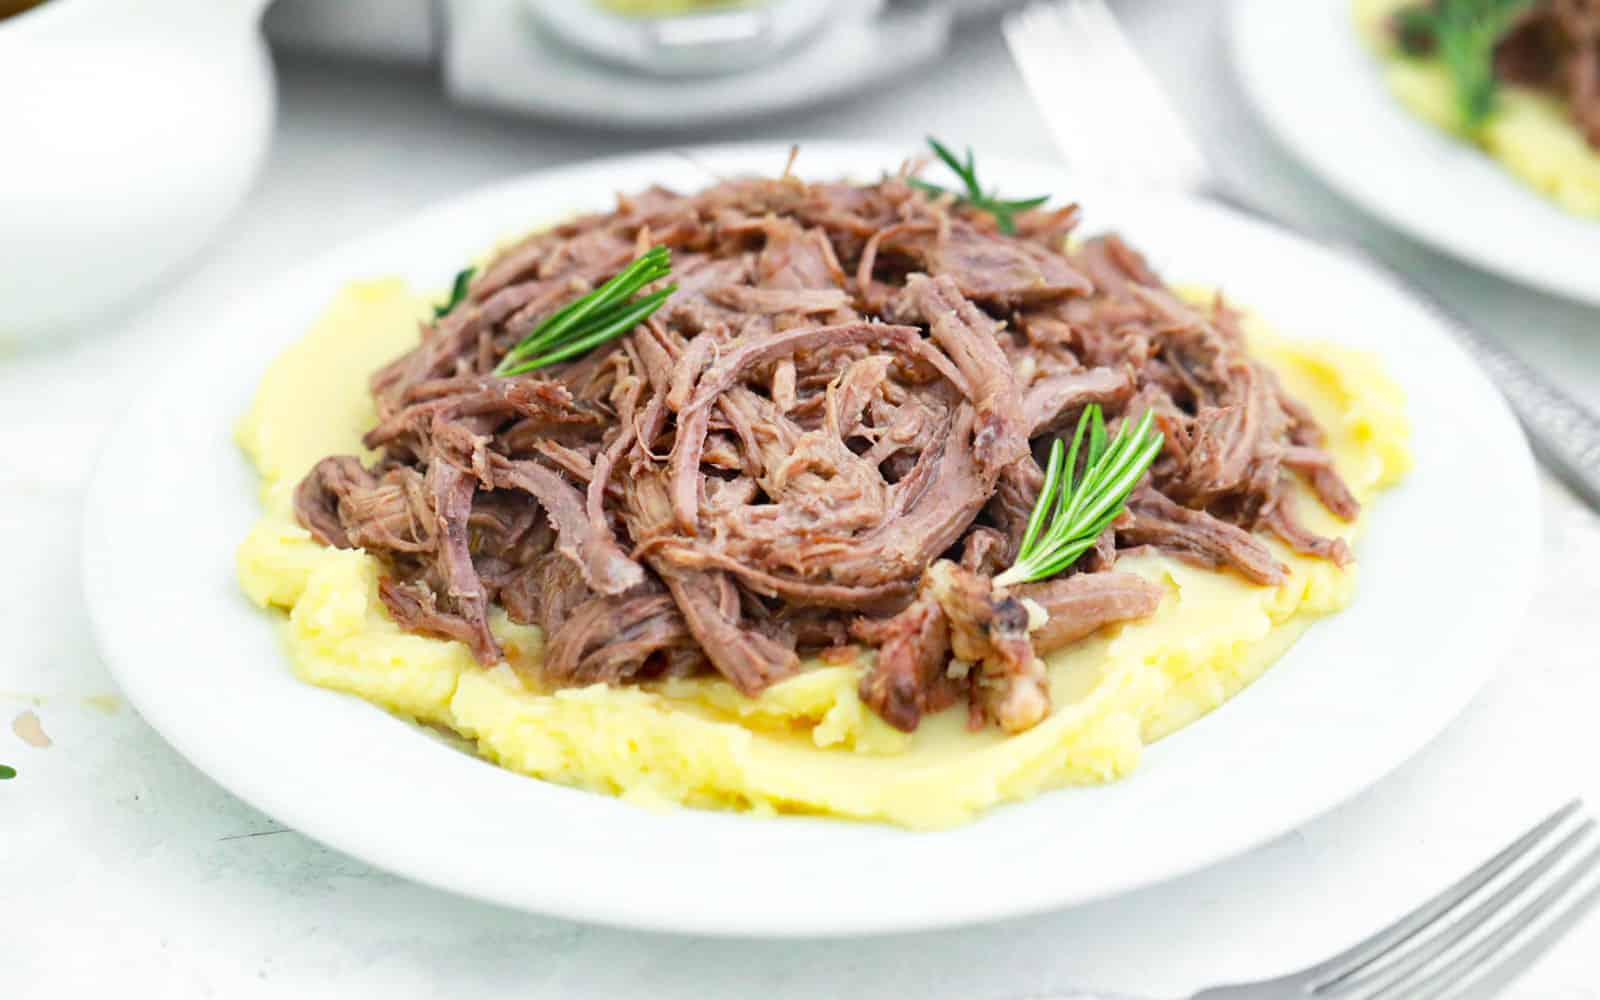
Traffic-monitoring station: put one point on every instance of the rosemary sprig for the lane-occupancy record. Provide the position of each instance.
(1415, 29)
(1077, 506)
(458, 293)
(1004, 211)
(1464, 34)
(605, 313)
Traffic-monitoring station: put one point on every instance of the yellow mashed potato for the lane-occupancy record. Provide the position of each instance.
(1529, 131)
(806, 744)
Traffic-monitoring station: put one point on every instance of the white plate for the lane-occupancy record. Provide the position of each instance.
(1439, 598)
(1316, 85)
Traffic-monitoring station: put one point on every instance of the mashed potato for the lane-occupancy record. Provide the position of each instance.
(806, 744)
(1529, 131)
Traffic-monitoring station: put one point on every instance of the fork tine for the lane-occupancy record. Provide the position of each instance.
(1355, 957)
(1051, 63)
(1076, 47)
(1022, 37)
(1153, 112)
(1399, 978)
(1513, 965)
(1102, 69)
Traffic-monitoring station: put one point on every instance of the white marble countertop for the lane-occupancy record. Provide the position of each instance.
(122, 867)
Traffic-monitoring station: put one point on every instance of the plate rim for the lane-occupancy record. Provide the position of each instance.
(1394, 213)
(276, 801)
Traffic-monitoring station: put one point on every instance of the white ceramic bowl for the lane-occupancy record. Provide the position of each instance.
(132, 129)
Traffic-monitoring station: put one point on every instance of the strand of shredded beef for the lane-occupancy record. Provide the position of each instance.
(830, 432)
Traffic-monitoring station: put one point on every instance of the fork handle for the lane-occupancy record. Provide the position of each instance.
(1564, 433)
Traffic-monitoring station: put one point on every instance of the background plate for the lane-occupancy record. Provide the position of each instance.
(1316, 85)
(173, 497)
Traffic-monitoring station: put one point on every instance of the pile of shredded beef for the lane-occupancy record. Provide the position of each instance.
(828, 435)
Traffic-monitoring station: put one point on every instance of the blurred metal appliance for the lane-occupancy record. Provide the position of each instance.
(689, 40)
(586, 61)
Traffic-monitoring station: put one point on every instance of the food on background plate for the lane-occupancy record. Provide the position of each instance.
(1521, 78)
(871, 500)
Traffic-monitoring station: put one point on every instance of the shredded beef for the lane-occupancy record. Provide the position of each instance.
(909, 679)
(1080, 605)
(830, 432)
(610, 640)
(990, 631)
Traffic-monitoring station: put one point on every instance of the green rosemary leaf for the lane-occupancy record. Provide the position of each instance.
(615, 324)
(1062, 558)
(964, 171)
(458, 293)
(1079, 507)
(1047, 496)
(1072, 455)
(1097, 435)
(928, 188)
(560, 330)
(608, 311)
(1021, 204)
(1118, 476)
(1002, 210)
(648, 268)
(637, 274)
(1071, 492)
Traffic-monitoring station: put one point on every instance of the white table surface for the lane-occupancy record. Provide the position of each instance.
(122, 868)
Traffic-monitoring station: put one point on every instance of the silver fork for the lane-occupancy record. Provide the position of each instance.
(1129, 131)
(1467, 943)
